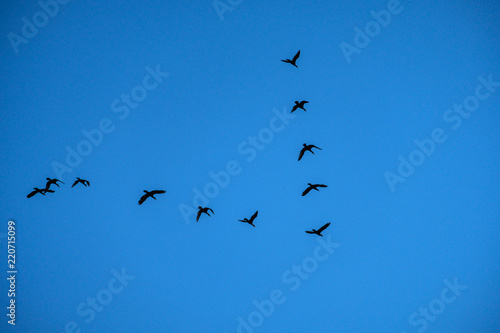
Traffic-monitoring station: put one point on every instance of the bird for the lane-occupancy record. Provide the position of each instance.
(150, 194)
(79, 180)
(299, 105)
(292, 62)
(318, 232)
(39, 190)
(203, 210)
(307, 147)
(251, 219)
(52, 181)
(312, 187)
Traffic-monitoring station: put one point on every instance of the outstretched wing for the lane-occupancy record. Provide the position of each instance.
(321, 185)
(313, 146)
(306, 190)
(32, 194)
(243, 221)
(143, 198)
(210, 209)
(57, 180)
(294, 108)
(301, 153)
(287, 60)
(254, 216)
(323, 227)
(50, 191)
(76, 182)
(198, 215)
(310, 232)
(157, 192)
(86, 183)
(296, 56)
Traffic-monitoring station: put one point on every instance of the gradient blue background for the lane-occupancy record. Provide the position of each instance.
(225, 79)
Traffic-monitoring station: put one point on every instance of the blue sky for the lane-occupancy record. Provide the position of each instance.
(411, 247)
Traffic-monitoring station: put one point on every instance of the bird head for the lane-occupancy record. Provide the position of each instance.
(309, 184)
(199, 207)
(47, 178)
(304, 145)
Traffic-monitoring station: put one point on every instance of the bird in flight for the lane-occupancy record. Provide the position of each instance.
(79, 180)
(307, 148)
(318, 232)
(312, 187)
(39, 190)
(150, 194)
(203, 210)
(52, 181)
(251, 219)
(299, 105)
(292, 62)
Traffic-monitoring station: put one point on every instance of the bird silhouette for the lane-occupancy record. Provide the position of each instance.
(79, 180)
(307, 148)
(299, 105)
(292, 62)
(39, 190)
(312, 187)
(203, 210)
(150, 194)
(251, 219)
(318, 232)
(52, 181)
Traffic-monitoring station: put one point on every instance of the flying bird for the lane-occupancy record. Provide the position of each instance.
(79, 180)
(312, 187)
(318, 232)
(299, 105)
(292, 62)
(150, 194)
(251, 219)
(203, 210)
(307, 148)
(52, 181)
(39, 190)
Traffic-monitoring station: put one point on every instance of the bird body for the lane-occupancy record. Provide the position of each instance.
(251, 219)
(318, 232)
(52, 181)
(292, 62)
(299, 105)
(150, 194)
(307, 148)
(312, 187)
(202, 210)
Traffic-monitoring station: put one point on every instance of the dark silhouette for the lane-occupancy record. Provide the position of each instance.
(318, 232)
(307, 147)
(203, 210)
(150, 194)
(52, 181)
(39, 190)
(251, 219)
(79, 180)
(299, 105)
(312, 187)
(292, 62)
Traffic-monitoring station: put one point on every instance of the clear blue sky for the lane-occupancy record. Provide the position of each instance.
(397, 247)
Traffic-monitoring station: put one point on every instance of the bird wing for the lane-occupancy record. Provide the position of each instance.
(294, 108)
(86, 182)
(306, 190)
(57, 180)
(323, 227)
(210, 209)
(50, 191)
(47, 187)
(305, 102)
(157, 192)
(254, 216)
(198, 215)
(76, 182)
(243, 221)
(287, 60)
(32, 194)
(321, 185)
(143, 198)
(301, 153)
(310, 232)
(313, 146)
(296, 56)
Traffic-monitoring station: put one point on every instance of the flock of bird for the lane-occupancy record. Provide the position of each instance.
(207, 210)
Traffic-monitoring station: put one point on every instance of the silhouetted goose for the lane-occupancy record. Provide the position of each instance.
(299, 105)
(292, 62)
(203, 210)
(307, 147)
(318, 232)
(39, 190)
(150, 194)
(251, 219)
(52, 181)
(312, 187)
(79, 180)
